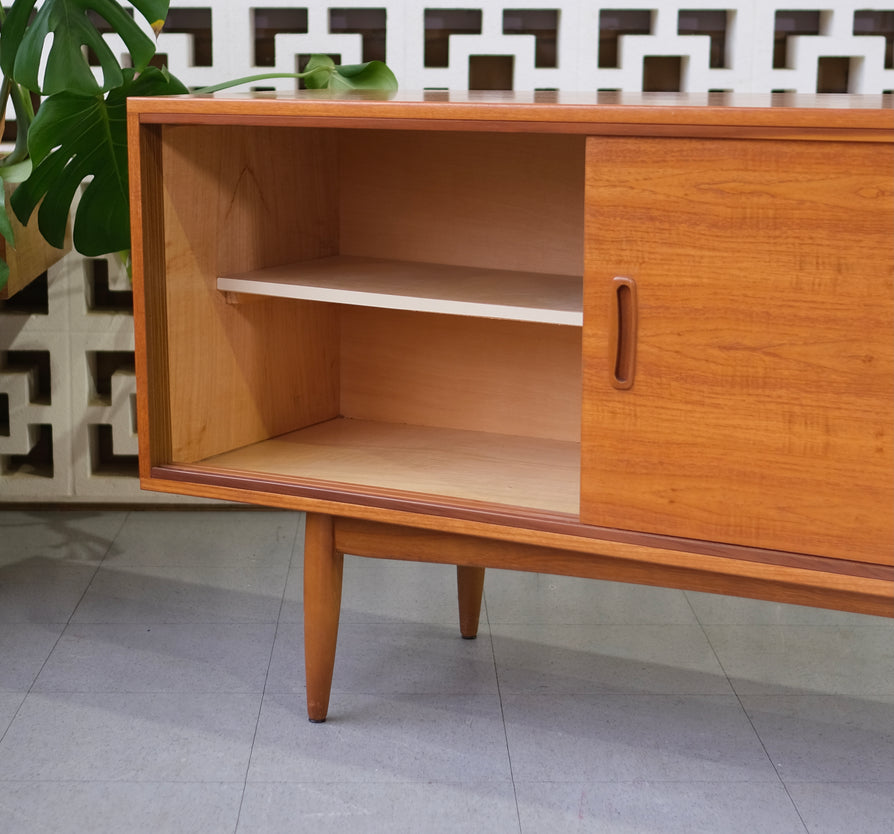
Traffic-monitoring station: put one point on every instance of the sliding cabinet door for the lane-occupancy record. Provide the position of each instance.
(738, 343)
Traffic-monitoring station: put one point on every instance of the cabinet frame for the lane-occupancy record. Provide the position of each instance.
(281, 365)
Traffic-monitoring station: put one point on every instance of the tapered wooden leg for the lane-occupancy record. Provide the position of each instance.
(322, 605)
(469, 586)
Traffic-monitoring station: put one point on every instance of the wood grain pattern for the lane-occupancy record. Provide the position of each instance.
(721, 115)
(753, 456)
(620, 563)
(469, 590)
(31, 256)
(149, 295)
(323, 569)
(469, 518)
(240, 199)
(464, 199)
(510, 378)
(466, 465)
(763, 407)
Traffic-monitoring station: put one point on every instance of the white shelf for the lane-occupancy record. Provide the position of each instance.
(422, 287)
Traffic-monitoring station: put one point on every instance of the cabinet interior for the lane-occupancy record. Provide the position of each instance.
(467, 406)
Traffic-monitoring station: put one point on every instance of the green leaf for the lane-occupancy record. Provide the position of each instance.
(6, 231)
(71, 28)
(74, 137)
(18, 172)
(5, 225)
(322, 73)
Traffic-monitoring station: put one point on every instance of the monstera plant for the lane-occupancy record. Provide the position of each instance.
(78, 132)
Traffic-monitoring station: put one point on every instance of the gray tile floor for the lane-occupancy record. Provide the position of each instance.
(151, 680)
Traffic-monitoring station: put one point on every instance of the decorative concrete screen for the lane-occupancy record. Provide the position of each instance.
(67, 414)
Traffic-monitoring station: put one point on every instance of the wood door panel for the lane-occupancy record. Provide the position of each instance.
(762, 407)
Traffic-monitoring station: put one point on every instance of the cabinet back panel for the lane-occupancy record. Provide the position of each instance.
(502, 201)
(762, 406)
(454, 372)
(237, 199)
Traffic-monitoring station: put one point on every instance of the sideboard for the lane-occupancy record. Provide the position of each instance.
(644, 338)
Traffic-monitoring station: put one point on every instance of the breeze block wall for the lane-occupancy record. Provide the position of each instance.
(67, 411)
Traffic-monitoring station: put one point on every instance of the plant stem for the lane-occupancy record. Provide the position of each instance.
(4, 98)
(21, 102)
(225, 85)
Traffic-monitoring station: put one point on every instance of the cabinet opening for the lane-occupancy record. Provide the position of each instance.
(471, 224)
(464, 410)
(465, 406)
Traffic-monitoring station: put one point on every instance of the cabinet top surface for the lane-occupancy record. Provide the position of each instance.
(575, 111)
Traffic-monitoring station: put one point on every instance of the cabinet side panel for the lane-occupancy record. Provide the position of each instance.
(463, 373)
(502, 201)
(762, 406)
(150, 315)
(241, 198)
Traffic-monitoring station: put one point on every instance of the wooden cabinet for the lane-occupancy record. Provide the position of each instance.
(644, 339)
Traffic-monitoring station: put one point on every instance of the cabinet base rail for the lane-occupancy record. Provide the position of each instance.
(328, 538)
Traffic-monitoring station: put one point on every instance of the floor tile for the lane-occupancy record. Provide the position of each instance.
(24, 648)
(47, 560)
(41, 589)
(519, 597)
(286, 672)
(367, 738)
(656, 808)
(116, 807)
(9, 703)
(73, 536)
(843, 660)
(693, 738)
(232, 536)
(152, 679)
(714, 609)
(382, 591)
(363, 808)
(842, 808)
(250, 593)
(124, 657)
(619, 658)
(135, 737)
(399, 658)
(292, 610)
(413, 658)
(826, 738)
(378, 591)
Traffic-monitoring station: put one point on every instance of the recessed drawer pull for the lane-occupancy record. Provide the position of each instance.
(624, 332)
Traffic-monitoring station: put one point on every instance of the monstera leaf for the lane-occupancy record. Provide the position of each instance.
(321, 72)
(74, 137)
(69, 24)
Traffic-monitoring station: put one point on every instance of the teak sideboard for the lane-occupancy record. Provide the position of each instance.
(640, 338)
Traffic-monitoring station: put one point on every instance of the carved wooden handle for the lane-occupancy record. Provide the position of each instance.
(624, 332)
